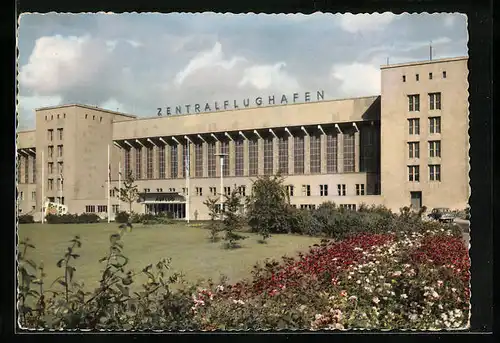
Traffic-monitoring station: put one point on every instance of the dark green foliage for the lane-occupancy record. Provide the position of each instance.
(233, 219)
(128, 192)
(268, 206)
(25, 219)
(122, 217)
(84, 218)
(214, 225)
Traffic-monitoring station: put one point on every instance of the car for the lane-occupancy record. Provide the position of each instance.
(442, 214)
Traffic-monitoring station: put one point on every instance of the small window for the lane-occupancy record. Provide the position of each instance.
(417, 77)
(404, 78)
(93, 117)
(86, 116)
(51, 116)
(58, 116)
(100, 119)
(64, 115)
(444, 74)
(430, 76)
(45, 117)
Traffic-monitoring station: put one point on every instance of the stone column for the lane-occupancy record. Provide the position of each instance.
(307, 154)
(291, 170)
(323, 154)
(260, 156)
(232, 158)
(356, 152)
(245, 158)
(340, 153)
(275, 155)
(205, 159)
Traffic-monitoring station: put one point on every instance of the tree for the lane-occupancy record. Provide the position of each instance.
(213, 212)
(128, 192)
(267, 206)
(233, 219)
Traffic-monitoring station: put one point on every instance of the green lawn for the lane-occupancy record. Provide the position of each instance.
(188, 247)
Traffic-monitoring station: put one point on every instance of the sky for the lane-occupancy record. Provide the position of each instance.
(136, 63)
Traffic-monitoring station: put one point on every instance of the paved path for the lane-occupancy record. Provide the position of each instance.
(465, 226)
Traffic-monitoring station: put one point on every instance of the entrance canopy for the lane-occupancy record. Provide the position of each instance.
(161, 198)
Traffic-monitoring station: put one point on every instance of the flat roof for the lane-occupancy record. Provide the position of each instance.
(408, 64)
(86, 106)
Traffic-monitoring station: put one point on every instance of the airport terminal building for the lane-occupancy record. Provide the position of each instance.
(407, 146)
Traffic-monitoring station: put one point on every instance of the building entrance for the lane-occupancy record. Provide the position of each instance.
(416, 200)
(177, 210)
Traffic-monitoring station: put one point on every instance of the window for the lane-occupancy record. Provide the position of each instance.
(161, 162)
(298, 155)
(283, 155)
(86, 116)
(147, 190)
(360, 189)
(349, 152)
(171, 189)
(50, 168)
(444, 74)
(93, 117)
(289, 189)
(331, 153)
(306, 190)
(33, 196)
(185, 191)
(60, 168)
(434, 125)
(224, 149)
(238, 156)
(211, 164)
(59, 184)
(50, 135)
(434, 101)
(253, 157)
(413, 173)
(159, 190)
(33, 165)
(435, 149)
(199, 191)
(174, 167)
(21, 195)
(138, 163)
(90, 208)
(417, 77)
(351, 207)
(27, 168)
(404, 78)
(115, 208)
(100, 119)
(227, 190)
(60, 134)
(315, 154)
(59, 151)
(414, 102)
(212, 190)
(127, 162)
(268, 156)
(414, 150)
(198, 160)
(414, 126)
(341, 189)
(242, 190)
(112, 193)
(186, 157)
(430, 76)
(308, 206)
(435, 172)
(50, 185)
(102, 208)
(149, 162)
(323, 190)
(368, 161)
(51, 151)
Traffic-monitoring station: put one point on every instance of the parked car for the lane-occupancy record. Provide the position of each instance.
(443, 215)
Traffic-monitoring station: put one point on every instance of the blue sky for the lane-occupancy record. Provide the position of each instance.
(138, 62)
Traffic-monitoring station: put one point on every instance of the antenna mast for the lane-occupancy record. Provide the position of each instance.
(430, 51)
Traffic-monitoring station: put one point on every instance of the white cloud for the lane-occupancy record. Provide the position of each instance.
(111, 44)
(264, 77)
(449, 20)
(37, 101)
(113, 105)
(365, 22)
(207, 59)
(134, 43)
(59, 63)
(357, 79)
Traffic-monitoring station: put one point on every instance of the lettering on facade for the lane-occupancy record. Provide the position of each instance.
(244, 103)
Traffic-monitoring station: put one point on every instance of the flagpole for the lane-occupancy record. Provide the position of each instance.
(109, 185)
(119, 184)
(187, 183)
(43, 183)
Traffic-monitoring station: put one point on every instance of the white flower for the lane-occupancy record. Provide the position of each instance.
(376, 300)
(413, 317)
(453, 290)
(353, 297)
(396, 273)
(219, 288)
(318, 316)
(444, 316)
(435, 294)
(404, 296)
(358, 282)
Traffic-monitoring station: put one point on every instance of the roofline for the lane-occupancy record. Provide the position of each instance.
(26, 131)
(374, 97)
(408, 64)
(85, 106)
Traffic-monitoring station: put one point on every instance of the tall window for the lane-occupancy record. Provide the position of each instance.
(211, 163)
(174, 166)
(185, 158)
(298, 155)
(283, 155)
(198, 160)
(59, 151)
(367, 150)
(414, 126)
(435, 149)
(238, 152)
(414, 150)
(161, 162)
(138, 163)
(60, 134)
(268, 156)
(360, 189)
(434, 101)
(224, 149)
(253, 157)
(434, 125)
(50, 167)
(414, 173)
(349, 152)
(127, 162)
(315, 154)
(414, 103)
(51, 151)
(27, 168)
(50, 135)
(323, 190)
(331, 153)
(341, 189)
(435, 172)
(149, 163)
(59, 168)
(306, 190)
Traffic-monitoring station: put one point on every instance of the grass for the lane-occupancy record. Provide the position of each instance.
(189, 248)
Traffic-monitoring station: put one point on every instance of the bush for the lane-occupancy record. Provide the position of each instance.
(84, 218)
(122, 217)
(25, 219)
